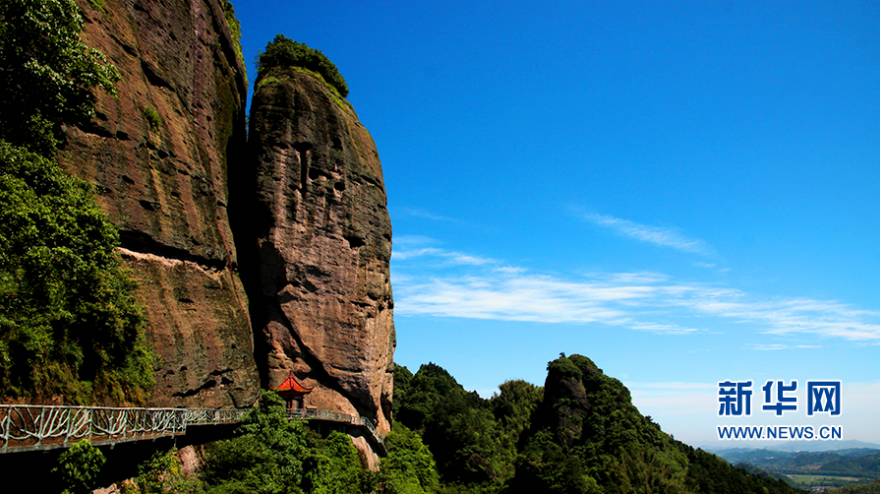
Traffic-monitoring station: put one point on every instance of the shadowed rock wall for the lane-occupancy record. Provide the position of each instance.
(164, 183)
(318, 246)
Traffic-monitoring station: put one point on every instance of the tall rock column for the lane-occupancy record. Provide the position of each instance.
(159, 155)
(320, 241)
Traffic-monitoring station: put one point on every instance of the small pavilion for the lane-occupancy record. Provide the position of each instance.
(293, 392)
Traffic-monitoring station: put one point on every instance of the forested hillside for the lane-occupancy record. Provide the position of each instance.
(580, 433)
(872, 488)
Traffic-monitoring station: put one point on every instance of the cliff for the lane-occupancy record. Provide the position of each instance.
(303, 203)
(159, 154)
(318, 244)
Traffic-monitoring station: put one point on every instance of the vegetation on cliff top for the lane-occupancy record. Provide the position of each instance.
(283, 52)
(69, 325)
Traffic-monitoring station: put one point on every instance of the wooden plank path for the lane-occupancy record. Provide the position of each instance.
(42, 427)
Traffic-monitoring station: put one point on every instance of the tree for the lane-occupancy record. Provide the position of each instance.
(284, 52)
(46, 72)
(265, 457)
(163, 474)
(68, 322)
(333, 466)
(79, 466)
(409, 467)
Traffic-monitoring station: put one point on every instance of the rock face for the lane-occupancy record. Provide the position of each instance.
(565, 403)
(159, 154)
(314, 202)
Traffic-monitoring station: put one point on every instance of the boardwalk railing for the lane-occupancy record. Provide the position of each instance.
(45, 427)
(36, 427)
(342, 418)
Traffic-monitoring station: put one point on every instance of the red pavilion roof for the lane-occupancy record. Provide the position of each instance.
(291, 385)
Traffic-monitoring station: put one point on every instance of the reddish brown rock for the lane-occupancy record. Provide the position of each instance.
(320, 242)
(164, 183)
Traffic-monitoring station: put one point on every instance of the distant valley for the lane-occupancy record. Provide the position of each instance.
(806, 470)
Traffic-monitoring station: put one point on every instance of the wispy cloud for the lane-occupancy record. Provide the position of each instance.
(421, 213)
(779, 346)
(411, 247)
(671, 385)
(663, 237)
(675, 398)
(783, 316)
(485, 288)
(517, 296)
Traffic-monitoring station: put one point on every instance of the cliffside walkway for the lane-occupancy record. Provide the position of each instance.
(42, 427)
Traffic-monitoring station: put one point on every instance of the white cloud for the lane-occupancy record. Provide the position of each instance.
(412, 240)
(421, 213)
(516, 296)
(778, 346)
(400, 255)
(783, 316)
(638, 301)
(410, 247)
(454, 284)
(510, 270)
(769, 347)
(664, 237)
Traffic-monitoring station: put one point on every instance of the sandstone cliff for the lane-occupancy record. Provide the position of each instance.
(159, 154)
(318, 243)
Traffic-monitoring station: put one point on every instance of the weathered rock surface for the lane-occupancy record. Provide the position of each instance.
(164, 183)
(566, 404)
(320, 243)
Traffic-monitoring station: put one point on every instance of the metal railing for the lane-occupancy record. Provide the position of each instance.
(31, 427)
(339, 417)
(35, 427)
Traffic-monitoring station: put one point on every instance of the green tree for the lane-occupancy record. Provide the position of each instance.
(409, 467)
(68, 322)
(265, 457)
(163, 474)
(79, 466)
(46, 72)
(333, 466)
(284, 52)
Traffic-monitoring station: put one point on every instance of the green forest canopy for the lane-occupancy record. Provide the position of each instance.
(580, 433)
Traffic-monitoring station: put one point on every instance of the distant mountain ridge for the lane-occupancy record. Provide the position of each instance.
(791, 446)
(857, 463)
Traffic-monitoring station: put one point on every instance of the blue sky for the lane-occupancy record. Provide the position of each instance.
(685, 192)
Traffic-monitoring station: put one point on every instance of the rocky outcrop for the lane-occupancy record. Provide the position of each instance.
(319, 238)
(159, 155)
(566, 402)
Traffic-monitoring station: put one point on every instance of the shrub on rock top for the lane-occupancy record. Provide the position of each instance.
(284, 52)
